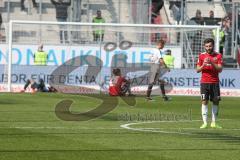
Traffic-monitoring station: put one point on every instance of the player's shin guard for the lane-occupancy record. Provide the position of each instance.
(204, 113)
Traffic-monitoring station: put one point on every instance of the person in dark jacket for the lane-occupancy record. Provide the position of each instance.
(198, 19)
(61, 16)
(0, 26)
(0, 20)
(23, 7)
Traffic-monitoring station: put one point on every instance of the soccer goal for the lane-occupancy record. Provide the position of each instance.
(82, 55)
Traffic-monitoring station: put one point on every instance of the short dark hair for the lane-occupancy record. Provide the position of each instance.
(160, 41)
(116, 71)
(209, 40)
(168, 51)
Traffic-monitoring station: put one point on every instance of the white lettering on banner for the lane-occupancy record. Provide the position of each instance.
(57, 55)
(178, 78)
(189, 78)
(77, 79)
(184, 81)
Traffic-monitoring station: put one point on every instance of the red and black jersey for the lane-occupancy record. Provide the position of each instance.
(209, 73)
(115, 85)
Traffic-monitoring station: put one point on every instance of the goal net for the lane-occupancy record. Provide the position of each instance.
(82, 55)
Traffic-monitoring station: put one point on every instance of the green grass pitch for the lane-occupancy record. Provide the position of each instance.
(30, 129)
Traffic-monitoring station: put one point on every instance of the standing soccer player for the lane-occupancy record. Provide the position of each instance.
(210, 64)
(156, 66)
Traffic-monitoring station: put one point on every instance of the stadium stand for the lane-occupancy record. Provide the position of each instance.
(14, 13)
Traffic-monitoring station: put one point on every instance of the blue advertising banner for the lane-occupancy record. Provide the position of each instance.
(183, 81)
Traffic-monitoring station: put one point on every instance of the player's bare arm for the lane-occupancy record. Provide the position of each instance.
(200, 68)
(161, 61)
(218, 67)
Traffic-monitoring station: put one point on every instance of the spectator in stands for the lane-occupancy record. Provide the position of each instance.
(238, 58)
(222, 0)
(23, 6)
(211, 20)
(226, 27)
(155, 8)
(198, 18)
(211, 14)
(40, 57)
(0, 25)
(1, 20)
(98, 34)
(175, 6)
(226, 0)
(227, 20)
(61, 16)
(238, 28)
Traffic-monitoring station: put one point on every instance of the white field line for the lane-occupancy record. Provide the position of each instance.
(63, 128)
(127, 126)
(164, 130)
(124, 126)
(227, 129)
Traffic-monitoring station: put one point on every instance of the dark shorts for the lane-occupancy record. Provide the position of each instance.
(40, 87)
(34, 85)
(210, 91)
(125, 88)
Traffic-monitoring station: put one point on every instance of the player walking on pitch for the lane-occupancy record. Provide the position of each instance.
(157, 66)
(210, 64)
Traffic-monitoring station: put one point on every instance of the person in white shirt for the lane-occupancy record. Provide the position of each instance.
(157, 61)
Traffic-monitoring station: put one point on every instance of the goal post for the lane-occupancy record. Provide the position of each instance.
(65, 41)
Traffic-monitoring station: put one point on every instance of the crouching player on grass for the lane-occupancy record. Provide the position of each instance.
(119, 86)
(210, 64)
